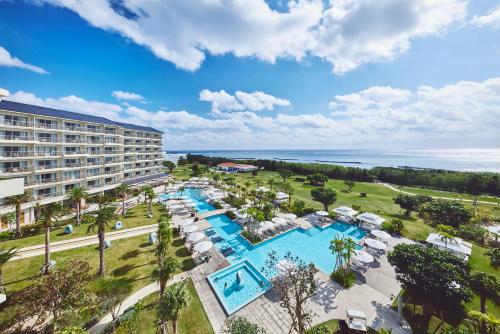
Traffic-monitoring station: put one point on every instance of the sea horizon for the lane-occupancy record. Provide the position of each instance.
(468, 160)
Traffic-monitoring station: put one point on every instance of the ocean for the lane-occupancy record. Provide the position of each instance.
(472, 160)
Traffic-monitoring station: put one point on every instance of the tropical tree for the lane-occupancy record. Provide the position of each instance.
(247, 184)
(258, 182)
(486, 287)
(5, 255)
(165, 271)
(7, 219)
(112, 292)
(408, 203)
(318, 179)
(49, 212)
(446, 232)
(324, 196)
(149, 193)
(444, 212)
(437, 277)
(122, 191)
(287, 189)
(350, 184)
(240, 325)
(175, 299)
(77, 195)
(169, 165)
(164, 238)
(483, 323)
(216, 177)
(271, 183)
(104, 215)
(294, 285)
(16, 201)
(343, 249)
(285, 174)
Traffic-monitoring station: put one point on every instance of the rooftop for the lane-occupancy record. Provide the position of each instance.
(43, 111)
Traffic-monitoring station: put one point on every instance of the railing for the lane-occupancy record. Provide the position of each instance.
(72, 178)
(16, 154)
(12, 137)
(94, 152)
(17, 123)
(15, 169)
(113, 152)
(74, 165)
(73, 152)
(93, 141)
(48, 126)
(74, 140)
(51, 166)
(93, 174)
(38, 197)
(47, 154)
(94, 163)
(49, 140)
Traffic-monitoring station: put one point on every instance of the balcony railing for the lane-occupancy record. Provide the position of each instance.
(16, 138)
(38, 197)
(94, 163)
(47, 154)
(16, 154)
(17, 123)
(48, 126)
(73, 152)
(22, 169)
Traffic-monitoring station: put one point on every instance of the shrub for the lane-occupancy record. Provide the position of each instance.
(252, 237)
(395, 226)
(6, 235)
(362, 194)
(473, 233)
(300, 179)
(230, 214)
(322, 329)
(494, 255)
(299, 208)
(357, 207)
(346, 278)
(217, 205)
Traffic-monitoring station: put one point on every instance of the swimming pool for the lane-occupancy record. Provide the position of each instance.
(195, 195)
(310, 245)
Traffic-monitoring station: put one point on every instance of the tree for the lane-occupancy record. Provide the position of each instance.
(444, 212)
(446, 232)
(100, 223)
(287, 189)
(258, 181)
(164, 238)
(257, 217)
(350, 184)
(240, 325)
(285, 174)
(77, 195)
(149, 195)
(271, 183)
(175, 299)
(61, 292)
(318, 179)
(437, 277)
(49, 212)
(482, 322)
(169, 165)
(406, 202)
(343, 249)
(112, 292)
(5, 255)
(494, 255)
(165, 271)
(216, 177)
(16, 201)
(294, 285)
(324, 196)
(486, 287)
(122, 191)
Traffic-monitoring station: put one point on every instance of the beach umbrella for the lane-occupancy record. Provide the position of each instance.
(190, 228)
(262, 189)
(381, 234)
(322, 213)
(266, 224)
(375, 244)
(279, 220)
(362, 256)
(289, 216)
(204, 246)
(196, 236)
(185, 222)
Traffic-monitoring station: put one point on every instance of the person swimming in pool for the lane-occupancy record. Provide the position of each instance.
(225, 286)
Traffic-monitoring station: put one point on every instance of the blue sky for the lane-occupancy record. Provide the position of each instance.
(346, 74)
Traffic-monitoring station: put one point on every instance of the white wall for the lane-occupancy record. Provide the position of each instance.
(10, 187)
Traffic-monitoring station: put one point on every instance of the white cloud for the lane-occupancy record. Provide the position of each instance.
(6, 59)
(462, 114)
(121, 95)
(491, 19)
(256, 101)
(346, 33)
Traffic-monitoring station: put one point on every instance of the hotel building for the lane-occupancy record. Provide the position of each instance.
(55, 151)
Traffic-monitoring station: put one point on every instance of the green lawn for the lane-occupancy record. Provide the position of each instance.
(334, 327)
(134, 217)
(440, 193)
(193, 320)
(130, 258)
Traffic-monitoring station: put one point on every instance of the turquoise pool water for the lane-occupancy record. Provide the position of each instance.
(310, 245)
(195, 195)
(234, 294)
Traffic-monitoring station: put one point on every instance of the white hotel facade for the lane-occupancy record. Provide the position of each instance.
(56, 150)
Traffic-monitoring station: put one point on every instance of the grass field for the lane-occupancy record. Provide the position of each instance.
(136, 216)
(193, 320)
(457, 196)
(130, 258)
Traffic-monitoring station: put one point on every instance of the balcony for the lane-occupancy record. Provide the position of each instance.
(45, 167)
(74, 140)
(94, 163)
(47, 154)
(49, 140)
(51, 126)
(13, 170)
(16, 154)
(94, 152)
(38, 197)
(95, 141)
(17, 123)
(16, 138)
(74, 165)
(73, 152)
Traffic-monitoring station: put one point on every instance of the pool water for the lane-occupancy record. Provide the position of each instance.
(233, 294)
(310, 245)
(195, 195)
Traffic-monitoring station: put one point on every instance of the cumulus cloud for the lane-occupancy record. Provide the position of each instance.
(346, 33)
(6, 59)
(491, 19)
(127, 96)
(462, 114)
(256, 101)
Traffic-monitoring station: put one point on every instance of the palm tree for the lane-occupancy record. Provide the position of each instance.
(486, 287)
(446, 232)
(216, 177)
(165, 271)
(122, 191)
(48, 213)
(175, 299)
(164, 236)
(247, 184)
(101, 221)
(271, 183)
(149, 193)
(344, 249)
(16, 201)
(258, 181)
(77, 195)
(288, 189)
(5, 255)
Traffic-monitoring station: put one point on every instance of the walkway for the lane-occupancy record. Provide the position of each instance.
(59, 246)
(211, 213)
(390, 186)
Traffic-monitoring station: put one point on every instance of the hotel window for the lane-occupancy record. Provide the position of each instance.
(46, 178)
(46, 123)
(46, 192)
(13, 166)
(71, 163)
(68, 187)
(71, 126)
(73, 175)
(72, 139)
(93, 128)
(93, 172)
(93, 150)
(72, 150)
(46, 164)
(92, 161)
(15, 120)
(47, 137)
(92, 183)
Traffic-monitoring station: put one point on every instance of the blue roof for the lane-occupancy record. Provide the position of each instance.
(43, 111)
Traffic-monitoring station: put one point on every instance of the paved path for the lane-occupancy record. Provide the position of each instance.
(211, 213)
(83, 241)
(390, 186)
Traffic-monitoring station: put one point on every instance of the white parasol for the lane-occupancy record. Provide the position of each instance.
(372, 243)
(381, 234)
(196, 236)
(266, 224)
(190, 229)
(362, 256)
(289, 216)
(203, 246)
(279, 220)
(322, 213)
(185, 222)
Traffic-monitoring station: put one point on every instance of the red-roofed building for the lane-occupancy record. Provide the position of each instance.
(232, 167)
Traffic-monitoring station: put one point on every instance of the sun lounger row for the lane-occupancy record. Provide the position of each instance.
(226, 251)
